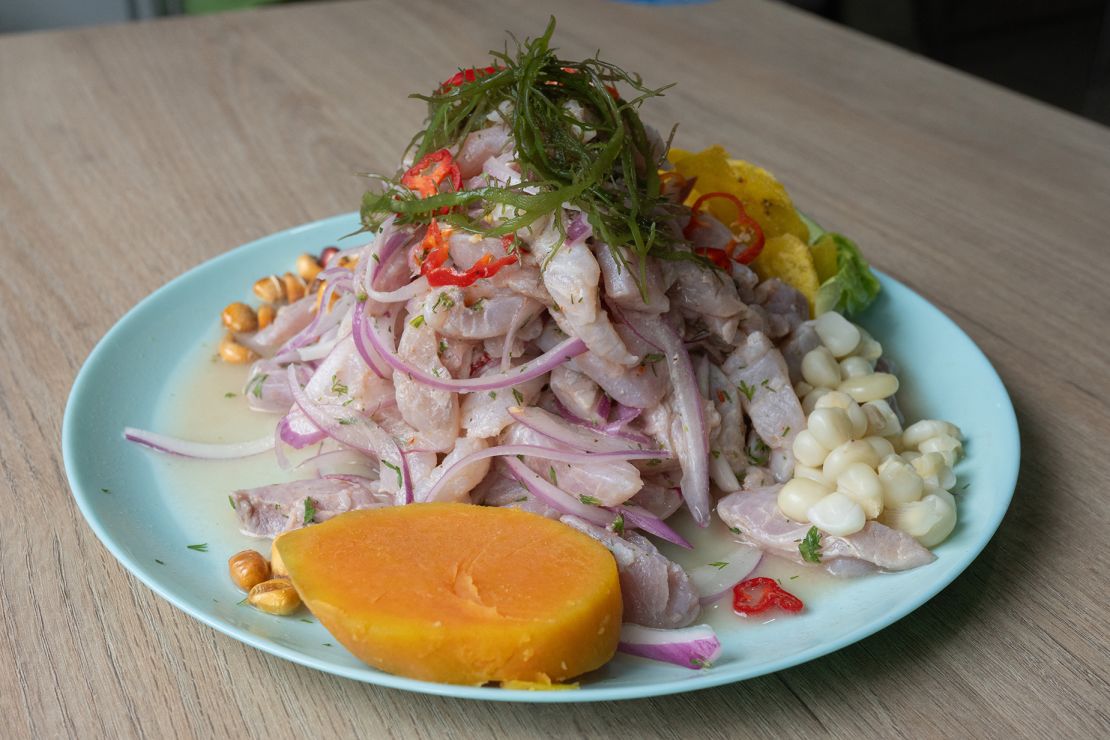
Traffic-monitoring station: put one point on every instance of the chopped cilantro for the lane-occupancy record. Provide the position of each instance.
(417, 321)
(361, 296)
(493, 395)
(716, 454)
(395, 469)
(202, 547)
(256, 385)
(700, 663)
(105, 490)
(618, 524)
(230, 394)
(734, 530)
(306, 620)
(766, 383)
(652, 357)
(338, 388)
(551, 472)
(810, 547)
(348, 421)
(719, 564)
(443, 300)
(519, 397)
(442, 346)
(747, 390)
(590, 500)
(309, 510)
(158, 561)
(478, 305)
(231, 501)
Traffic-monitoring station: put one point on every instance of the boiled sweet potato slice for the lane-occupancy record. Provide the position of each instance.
(458, 593)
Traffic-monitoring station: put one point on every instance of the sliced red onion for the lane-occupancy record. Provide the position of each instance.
(714, 580)
(199, 450)
(547, 453)
(296, 430)
(361, 434)
(644, 520)
(360, 328)
(578, 437)
(305, 354)
(609, 429)
(690, 647)
(555, 497)
(688, 403)
(566, 350)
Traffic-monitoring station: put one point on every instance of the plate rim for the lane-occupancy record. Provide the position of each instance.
(702, 680)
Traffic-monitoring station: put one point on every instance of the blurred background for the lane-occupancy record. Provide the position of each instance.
(1057, 51)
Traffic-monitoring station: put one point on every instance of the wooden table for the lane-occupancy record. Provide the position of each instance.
(129, 154)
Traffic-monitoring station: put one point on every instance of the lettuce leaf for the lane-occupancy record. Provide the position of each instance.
(853, 287)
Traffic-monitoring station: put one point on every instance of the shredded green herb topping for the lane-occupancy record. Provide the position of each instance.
(579, 140)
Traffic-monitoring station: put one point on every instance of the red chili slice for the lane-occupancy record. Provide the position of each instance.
(434, 252)
(464, 76)
(744, 224)
(426, 176)
(757, 595)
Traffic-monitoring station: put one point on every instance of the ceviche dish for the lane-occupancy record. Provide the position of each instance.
(559, 345)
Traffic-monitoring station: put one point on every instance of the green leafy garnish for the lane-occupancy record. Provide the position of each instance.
(810, 547)
(853, 287)
(231, 501)
(105, 490)
(202, 547)
(734, 530)
(158, 561)
(601, 160)
(417, 321)
(618, 524)
(747, 390)
(230, 394)
(255, 386)
(551, 472)
(590, 500)
(518, 397)
(719, 564)
(309, 510)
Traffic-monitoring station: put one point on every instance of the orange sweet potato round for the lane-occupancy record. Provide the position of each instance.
(458, 593)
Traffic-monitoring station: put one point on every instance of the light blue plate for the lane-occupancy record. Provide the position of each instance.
(944, 375)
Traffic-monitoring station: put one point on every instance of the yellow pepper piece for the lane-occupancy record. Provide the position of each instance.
(824, 257)
(764, 198)
(788, 258)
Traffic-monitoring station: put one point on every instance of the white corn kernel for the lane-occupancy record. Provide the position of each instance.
(837, 333)
(831, 427)
(929, 520)
(855, 367)
(868, 348)
(860, 483)
(920, 431)
(813, 474)
(838, 515)
(802, 389)
(809, 403)
(807, 450)
(934, 470)
(881, 419)
(820, 369)
(883, 448)
(838, 400)
(846, 454)
(870, 387)
(947, 446)
(798, 494)
(901, 483)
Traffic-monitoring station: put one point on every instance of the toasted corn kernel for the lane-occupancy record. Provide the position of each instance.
(270, 289)
(348, 262)
(266, 314)
(235, 353)
(294, 286)
(239, 317)
(248, 569)
(275, 596)
(327, 254)
(307, 267)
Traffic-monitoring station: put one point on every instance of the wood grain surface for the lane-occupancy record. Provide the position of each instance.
(130, 154)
